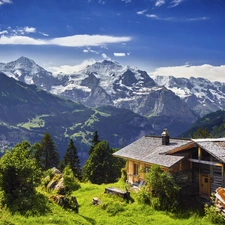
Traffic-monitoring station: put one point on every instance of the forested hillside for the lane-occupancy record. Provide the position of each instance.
(27, 112)
(213, 124)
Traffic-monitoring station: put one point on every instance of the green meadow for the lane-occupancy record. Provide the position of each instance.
(112, 210)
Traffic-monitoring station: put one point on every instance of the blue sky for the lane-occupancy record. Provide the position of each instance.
(166, 37)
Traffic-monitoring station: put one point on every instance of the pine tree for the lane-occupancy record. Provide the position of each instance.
(37, 153)
(102, 166)
(71, 158)
(94, 141)
(49, 156)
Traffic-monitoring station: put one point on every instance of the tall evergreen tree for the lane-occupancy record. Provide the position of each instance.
(94, 141)
(47, 153)
(102, 166)
(37, 153)
(71, 158)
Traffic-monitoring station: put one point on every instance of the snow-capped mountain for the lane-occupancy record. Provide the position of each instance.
(200, 94)
(107, 78)
(27, 71)
(109, 83)
(167, 101)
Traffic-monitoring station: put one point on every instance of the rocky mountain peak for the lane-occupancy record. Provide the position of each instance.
(104, 67)
(22, 63)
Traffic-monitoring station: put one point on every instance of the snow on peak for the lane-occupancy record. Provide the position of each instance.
(24, 63)
(184, 88)
(104, 67)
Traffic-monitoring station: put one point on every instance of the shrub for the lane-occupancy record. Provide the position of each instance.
(124, 174)
(143, 196)
(71, 183)
(19, 176)
(212, 215)
(161, 189)
(113, 208)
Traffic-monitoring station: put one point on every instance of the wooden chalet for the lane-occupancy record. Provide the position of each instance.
(197, 164)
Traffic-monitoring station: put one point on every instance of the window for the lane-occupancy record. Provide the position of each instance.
(135, 169)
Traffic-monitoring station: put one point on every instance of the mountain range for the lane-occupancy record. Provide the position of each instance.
(109, 83)
(158, 102)
(27, 112)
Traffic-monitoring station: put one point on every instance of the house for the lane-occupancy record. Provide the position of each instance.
(197, 164)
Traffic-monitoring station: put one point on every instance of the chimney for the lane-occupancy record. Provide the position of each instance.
(165, 137)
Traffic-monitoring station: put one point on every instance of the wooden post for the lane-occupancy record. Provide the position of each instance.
(199, 172)
(199, 153)
(222, 173)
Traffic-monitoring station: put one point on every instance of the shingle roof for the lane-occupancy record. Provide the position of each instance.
(150, 150)
(215, 147)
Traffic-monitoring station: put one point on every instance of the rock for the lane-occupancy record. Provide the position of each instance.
(59, 187)
(66, 202)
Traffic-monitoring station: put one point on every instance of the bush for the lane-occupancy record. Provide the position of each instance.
(160, 189)
(113, 208)
(124, 174)
(212, 215)
(71, 183)
(19, 176)
(143, 197)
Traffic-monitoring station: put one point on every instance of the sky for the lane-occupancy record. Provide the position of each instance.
(181, 38)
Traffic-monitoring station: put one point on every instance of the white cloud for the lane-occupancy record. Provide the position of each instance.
(90, 50)
(104, 47)
(29, 29)
(22, 30)
(104, 56)
(3, 32)
(158, 3)
(119, 54)
(20, 40)
(197, 19)
(5, 2)
(68, 69)
(172, 19)
(142, 12)
(212, 73)
(175, 3)
(152, 16)
(69, 41)
(44, 34)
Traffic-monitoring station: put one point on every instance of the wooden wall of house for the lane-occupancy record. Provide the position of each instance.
(215, 172)
(216, 179)
(135, 178)
(142, 169)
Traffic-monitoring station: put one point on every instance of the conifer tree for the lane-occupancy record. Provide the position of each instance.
(48, 154)
(102, 166)
(71, 158)
(94, 141)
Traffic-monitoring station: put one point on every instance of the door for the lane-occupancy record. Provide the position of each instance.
(205, 185)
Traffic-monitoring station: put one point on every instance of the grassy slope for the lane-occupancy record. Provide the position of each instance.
(132, 213)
